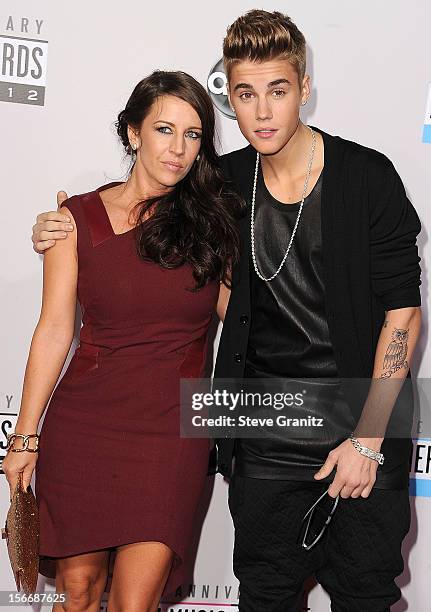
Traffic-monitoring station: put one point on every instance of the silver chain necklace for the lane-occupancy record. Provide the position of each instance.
(253, 202)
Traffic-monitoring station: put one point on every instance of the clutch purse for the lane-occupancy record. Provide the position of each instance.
(21, 532)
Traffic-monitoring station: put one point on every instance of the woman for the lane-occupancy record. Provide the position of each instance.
(146, 262)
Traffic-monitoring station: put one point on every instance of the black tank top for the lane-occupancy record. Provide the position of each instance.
(289, 335)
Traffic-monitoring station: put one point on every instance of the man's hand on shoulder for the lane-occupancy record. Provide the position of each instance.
(51, 226)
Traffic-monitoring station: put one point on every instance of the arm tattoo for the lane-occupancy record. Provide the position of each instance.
(396, 353)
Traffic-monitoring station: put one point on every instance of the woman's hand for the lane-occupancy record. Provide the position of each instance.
(14, 463)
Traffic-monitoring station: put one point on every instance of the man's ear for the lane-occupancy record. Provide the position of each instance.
(229, 96)
(305, 89)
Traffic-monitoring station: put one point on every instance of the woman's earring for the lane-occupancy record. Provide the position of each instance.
(198, 157)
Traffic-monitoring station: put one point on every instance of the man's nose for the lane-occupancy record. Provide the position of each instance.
(263, 109)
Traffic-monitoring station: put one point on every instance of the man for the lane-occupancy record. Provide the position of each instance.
(327, 287)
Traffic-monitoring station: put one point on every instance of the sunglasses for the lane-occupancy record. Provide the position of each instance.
(317, 519)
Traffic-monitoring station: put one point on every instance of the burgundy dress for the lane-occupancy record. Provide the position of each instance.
(112, 467)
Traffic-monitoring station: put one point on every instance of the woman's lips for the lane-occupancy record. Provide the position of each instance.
(172, 166)
(265, 133)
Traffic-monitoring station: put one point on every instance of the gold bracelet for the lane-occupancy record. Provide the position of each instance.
(25, 437)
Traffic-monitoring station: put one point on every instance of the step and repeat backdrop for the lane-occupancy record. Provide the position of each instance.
(66, 69)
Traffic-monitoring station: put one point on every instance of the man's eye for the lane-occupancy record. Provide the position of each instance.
(278, 93)
(246, 95)
(164, 129)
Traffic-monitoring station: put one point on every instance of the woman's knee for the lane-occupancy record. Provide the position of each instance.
(84, 585)
(140, 573)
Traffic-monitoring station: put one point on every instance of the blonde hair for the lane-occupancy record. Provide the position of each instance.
(260, 36)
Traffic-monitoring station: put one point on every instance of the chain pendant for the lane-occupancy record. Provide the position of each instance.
(253, 202)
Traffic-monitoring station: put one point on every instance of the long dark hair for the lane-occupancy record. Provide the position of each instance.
(195, 222)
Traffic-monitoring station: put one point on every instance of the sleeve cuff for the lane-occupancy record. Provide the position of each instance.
(410, 299)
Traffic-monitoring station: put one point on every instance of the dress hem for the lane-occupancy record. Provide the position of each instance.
(47, 565)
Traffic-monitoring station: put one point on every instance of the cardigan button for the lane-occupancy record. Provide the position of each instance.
(237, 357)
(243, 319)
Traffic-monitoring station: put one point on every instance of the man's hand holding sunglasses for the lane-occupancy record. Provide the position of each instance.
(356, 473)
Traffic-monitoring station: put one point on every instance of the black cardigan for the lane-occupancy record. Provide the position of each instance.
(370, 264)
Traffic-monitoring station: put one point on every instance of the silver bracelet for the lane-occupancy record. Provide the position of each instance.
(367, 452)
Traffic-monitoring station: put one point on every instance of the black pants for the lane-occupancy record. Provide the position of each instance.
(356, 561)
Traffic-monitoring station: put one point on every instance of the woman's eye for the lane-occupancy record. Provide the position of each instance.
(164, 129)
(194, 135)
